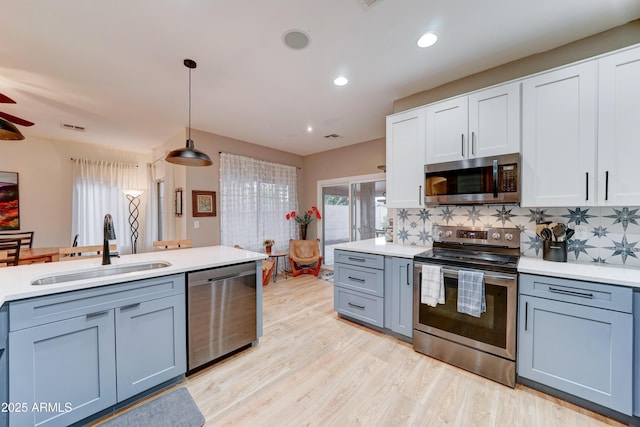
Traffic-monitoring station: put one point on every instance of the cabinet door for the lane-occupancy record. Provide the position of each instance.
(405, 159)
(494, 121)
(559, 137)
(401, 296)
(584, 351)
(69, 362)
(619, 127)
(447, 131)
(4, 363)
(151, 343)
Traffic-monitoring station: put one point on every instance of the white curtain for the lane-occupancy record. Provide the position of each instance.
(255, 197)
(98, 189)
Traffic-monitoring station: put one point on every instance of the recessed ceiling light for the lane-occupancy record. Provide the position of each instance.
(295, 39)
(309, 129)
(428, 39)
(340, 81)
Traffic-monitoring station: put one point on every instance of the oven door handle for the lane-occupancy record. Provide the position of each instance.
(488, 276)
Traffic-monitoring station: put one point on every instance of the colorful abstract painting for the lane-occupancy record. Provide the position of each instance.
(9, 206)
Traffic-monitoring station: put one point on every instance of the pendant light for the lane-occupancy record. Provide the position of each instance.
(9, 132)
(189, 156)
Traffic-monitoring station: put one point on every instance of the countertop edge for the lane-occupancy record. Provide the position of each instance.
(379, 246)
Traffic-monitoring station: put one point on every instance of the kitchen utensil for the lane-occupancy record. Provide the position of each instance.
(546, 234)
(570, 233)
(559, 232)
(539, 228)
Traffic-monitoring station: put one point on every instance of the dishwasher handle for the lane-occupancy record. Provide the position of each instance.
(213, 278)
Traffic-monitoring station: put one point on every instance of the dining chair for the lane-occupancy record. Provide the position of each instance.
(82, 252)
(3, 259)
(26, 237)
(12, 249)
(161, 245)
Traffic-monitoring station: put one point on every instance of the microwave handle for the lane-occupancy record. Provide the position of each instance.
(495, 178)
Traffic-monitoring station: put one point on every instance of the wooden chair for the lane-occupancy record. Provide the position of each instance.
(163, 245)
(82, 252)
(3, 259)
(304, 257)
(26, 237)
(11, 247)
(267, 268)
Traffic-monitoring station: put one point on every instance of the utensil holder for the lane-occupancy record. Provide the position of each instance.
(554, 251)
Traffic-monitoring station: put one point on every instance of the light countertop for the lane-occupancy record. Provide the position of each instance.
(15, 282)
(380, 246)
(609, 274)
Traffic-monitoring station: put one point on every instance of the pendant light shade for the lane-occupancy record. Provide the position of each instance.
(189, 156)
(9, 132)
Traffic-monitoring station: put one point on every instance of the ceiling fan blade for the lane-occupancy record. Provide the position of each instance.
(4, 99)
(16, 120)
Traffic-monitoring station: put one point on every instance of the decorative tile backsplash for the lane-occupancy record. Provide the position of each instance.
(608, 235)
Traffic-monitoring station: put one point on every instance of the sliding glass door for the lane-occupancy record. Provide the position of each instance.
(353, 209)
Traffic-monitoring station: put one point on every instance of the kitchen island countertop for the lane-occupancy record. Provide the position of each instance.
(380, 246)
(591, 272)
(15, 282)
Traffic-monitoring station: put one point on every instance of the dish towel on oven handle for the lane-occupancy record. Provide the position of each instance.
(432, 286)
(471, 294)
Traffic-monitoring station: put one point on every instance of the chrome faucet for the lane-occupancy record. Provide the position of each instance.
(109, 234)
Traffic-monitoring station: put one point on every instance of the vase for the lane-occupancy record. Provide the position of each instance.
(303, 231)
(268, 249)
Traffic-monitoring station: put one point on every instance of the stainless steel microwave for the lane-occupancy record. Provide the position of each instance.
(485, 180)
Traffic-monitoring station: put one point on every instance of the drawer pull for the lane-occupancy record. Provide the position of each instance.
(130, 306)
(570, 293)
(360, 307)
(356, 259)
(526, 315)
(356, 279)
(97, 314)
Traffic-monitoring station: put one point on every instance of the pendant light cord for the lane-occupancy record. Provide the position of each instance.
(189, 104)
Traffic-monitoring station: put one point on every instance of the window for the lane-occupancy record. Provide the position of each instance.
(255, 196)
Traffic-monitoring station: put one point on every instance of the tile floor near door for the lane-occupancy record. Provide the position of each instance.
(312, 368)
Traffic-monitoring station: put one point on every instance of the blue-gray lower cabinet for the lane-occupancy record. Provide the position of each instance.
(399, 299)
(75, 354)
(636, 353)
(4, 365)
(150, 341)
(573, 345)
(69, 364)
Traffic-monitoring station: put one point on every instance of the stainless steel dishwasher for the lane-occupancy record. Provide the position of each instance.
(221, 312)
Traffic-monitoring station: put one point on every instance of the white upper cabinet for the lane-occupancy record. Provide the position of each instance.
(619, 129)
(485, 123)
(580, 127)
(447, 124)
(405, 159)
(559, 113)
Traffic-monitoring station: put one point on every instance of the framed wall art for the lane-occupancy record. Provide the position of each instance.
(9, 201)
(204, 203)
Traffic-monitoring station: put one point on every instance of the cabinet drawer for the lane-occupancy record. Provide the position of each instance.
(367, 280)
(591, 294)
(41, 310)
(359, 259)
(367, 308)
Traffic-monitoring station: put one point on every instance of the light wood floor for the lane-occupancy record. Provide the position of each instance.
(312, 368)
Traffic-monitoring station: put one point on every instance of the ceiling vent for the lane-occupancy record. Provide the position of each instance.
(368, 4)
(71, 127)
(333, 136)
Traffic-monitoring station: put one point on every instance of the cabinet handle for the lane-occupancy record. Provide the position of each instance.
(360, 307)
(356, 259)
(495, 178)
(526, 315)
(96, 314)
(473, 143)
(606, 185)
(462, 144)
(356, 279)
(587, 185)
(420, 195)
(130, 306)
(408, 267)
(571, 293)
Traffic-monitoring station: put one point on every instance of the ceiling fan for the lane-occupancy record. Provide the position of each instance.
(7, 130)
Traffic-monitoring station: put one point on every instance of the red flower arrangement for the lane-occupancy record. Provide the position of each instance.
(306, 218)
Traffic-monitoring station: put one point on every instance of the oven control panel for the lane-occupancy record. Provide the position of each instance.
(491, 236)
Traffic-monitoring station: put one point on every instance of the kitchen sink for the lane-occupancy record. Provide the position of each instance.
(99, 272)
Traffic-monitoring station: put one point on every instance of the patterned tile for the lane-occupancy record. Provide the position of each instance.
(608, 235)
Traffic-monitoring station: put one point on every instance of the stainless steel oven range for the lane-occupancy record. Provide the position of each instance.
(485, 345)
